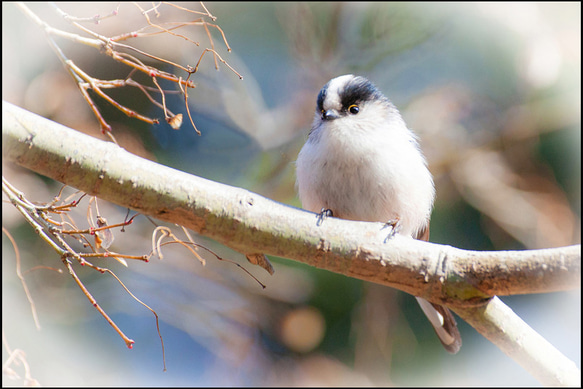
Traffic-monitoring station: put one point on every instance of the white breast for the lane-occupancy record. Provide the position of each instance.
(378, 176)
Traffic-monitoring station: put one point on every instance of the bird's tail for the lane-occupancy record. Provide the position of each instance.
(444, 324)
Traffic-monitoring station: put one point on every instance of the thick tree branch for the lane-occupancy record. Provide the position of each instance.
(499, 324)
(251, 224)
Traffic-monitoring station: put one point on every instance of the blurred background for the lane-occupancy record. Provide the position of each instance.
(492, 89)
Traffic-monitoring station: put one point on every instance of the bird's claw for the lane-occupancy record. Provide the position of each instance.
(395, 228)
(324, 213)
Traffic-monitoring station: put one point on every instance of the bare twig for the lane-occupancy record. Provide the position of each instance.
(166, 232)
(112, 47)
(16, 357)
(129, 342)
(38, 216)
(21, 278)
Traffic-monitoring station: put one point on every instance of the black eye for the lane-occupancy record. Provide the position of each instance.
(353, 109)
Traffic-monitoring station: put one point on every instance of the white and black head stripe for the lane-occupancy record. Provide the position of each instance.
(344, 91)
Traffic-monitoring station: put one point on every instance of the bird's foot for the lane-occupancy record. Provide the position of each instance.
(324, 213)
(395, 228)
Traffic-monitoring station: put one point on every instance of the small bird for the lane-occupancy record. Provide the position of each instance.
(361, 162)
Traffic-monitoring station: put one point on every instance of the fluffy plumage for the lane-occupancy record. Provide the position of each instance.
(362, 163)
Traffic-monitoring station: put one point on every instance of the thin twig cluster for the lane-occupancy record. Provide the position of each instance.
(54, 223)
(134, 58)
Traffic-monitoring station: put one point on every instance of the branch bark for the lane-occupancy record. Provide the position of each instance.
(499, 324)
(463, 280)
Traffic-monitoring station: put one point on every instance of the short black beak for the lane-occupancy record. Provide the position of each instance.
(329, 115)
